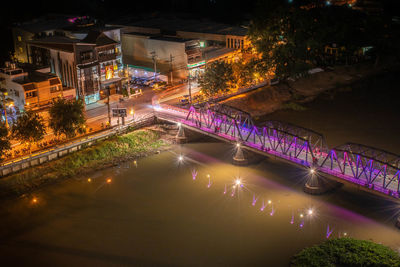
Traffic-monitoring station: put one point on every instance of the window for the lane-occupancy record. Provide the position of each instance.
(20, 49)
(54, 89)
(31, 94)
(19, 38)
(16, 93)
(86, 55)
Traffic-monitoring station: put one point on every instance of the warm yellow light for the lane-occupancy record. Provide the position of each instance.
(34, 200)
(238, 182)
(301, 215)
(310, 212)
(237, 144)
(108, 180)
(89, 180)
(269, 201)
(131, 112)
(312, 171)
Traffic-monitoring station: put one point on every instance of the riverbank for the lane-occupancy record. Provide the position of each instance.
(294, 94)
(105, 154)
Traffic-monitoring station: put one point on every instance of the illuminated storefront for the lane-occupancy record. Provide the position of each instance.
(196, 69)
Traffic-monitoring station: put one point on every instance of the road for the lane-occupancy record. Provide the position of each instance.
(97, 113)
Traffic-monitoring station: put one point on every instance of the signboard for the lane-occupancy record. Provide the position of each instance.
(198, 64)
(119, 112)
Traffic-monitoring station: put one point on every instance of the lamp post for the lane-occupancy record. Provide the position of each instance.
(190, 89)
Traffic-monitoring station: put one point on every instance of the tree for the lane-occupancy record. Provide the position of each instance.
(67, 117)
(292, 39)
(29, 128)
(4, 141)
(347, 252)
(217, 78)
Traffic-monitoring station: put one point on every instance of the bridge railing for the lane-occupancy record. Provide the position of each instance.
(300, 145)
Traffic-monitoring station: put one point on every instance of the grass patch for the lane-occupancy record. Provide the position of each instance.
(293, 106)
(103, 154)
(347, 252)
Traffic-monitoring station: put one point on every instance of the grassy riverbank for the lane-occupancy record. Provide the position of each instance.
(101, 155)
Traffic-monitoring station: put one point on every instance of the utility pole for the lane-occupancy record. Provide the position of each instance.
(170, 68)
(190, 89)
(108, 106)
(154, 58)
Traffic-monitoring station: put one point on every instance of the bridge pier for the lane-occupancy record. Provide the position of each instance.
(318, 185)
(180, 137)
(239, 158)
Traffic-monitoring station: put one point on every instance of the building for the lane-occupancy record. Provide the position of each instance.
(50, 25)
(92, 65)
(32, 89)
(209, 32)
(170, 54)
(178, 48)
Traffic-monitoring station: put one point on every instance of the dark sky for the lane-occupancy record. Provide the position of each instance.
(229, 11)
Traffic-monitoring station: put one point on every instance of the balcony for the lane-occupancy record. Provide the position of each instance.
(107, 57)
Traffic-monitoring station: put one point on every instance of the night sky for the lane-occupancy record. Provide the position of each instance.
(228, 11)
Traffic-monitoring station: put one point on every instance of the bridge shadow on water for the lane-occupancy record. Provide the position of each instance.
(349, 197)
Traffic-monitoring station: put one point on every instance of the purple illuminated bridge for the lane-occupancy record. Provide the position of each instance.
(372, 169)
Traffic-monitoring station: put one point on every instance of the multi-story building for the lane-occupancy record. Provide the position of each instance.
(91, 65)
(50, 25)
(32, 89)
(179, 47)
(170, 53)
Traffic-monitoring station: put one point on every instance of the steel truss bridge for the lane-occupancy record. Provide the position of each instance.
(373, 169)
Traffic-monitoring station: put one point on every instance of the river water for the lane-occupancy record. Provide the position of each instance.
(153, 213)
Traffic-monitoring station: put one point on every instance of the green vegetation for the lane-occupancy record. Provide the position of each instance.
(67, 117)
(217, 78)
(29, 128)
(347, 252)
(293, 106)
(291, 38)
(103, 154)
(5, 144)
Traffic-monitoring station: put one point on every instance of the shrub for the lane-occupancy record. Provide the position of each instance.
(347, 252)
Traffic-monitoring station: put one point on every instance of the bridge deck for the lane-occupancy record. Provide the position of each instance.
(370, 174)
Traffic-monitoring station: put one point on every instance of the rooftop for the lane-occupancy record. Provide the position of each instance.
(200, 26)
(160, 37)
(98, 38)
(62, 43)
(35, 77)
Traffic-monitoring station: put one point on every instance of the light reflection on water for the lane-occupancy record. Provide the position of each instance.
(157, 211)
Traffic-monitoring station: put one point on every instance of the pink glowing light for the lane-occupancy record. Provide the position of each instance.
(254, 200)
(328, 232)
(194, 174)
(263, 206)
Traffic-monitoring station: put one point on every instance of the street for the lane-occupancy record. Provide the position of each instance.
(97, 113)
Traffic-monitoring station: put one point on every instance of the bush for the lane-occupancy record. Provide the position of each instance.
(347, 252)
